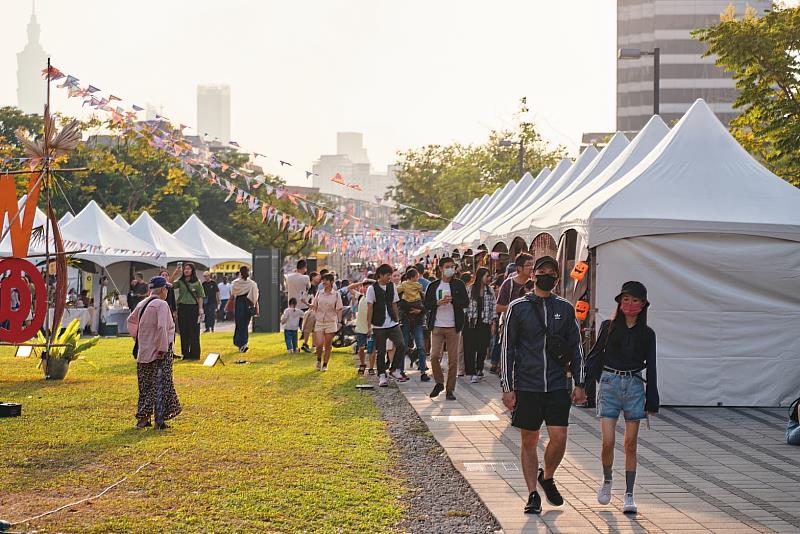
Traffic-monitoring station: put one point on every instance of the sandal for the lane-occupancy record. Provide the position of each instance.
(371, 371)
(361, 369)
(143, 422)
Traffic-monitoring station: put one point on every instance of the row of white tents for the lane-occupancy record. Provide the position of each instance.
(106, 241)
(712, 234)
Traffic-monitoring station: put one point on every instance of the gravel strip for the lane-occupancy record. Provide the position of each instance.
(439, 499)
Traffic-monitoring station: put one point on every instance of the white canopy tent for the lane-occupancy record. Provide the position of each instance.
(67, 217)
(106, 242)
(148, 230)
(39, 221)
(714, 237)
(518, 224)
(443, 240)
(121, 222)
(503, 199)
(455, 224)
(209, 244)
(551, 220)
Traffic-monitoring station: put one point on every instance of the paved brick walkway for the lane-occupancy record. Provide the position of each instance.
(700, 469)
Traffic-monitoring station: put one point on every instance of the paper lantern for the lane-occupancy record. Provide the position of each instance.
(579, 271)
(581, 310)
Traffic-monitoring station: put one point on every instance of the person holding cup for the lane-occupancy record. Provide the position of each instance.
(445, 300)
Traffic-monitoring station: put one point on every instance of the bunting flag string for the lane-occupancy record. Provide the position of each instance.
(361, 242)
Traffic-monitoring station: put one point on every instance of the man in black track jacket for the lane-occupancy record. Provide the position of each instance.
(536, 387)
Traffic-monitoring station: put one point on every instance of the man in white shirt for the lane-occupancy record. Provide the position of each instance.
(298, 284)
(383, 321)
(224, 296)
(445, 301)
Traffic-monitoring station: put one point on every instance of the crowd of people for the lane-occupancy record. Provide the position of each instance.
(453, 319)
(528, 334)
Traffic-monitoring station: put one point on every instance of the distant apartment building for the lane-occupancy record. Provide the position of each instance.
(214, 112)
(352, 163)
(685, 74)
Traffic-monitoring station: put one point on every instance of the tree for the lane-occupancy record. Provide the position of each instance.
(441, 179)
(763, 53)
(128, 176)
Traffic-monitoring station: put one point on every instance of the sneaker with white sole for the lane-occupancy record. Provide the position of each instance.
(319, 365)
(474, 379)
(395, 375)
(604, 493)
(325, 367)
(383, 382)
(630, 505)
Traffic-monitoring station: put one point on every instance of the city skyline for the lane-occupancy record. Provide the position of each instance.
(405, 76)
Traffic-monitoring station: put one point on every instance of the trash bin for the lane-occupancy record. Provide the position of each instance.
(108, 329)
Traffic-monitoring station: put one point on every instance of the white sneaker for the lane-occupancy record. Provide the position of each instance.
(395, 375)
(325, 367)
(474, 379)
(604, 493)
(630, 505)
(319, 365)
(383, 382)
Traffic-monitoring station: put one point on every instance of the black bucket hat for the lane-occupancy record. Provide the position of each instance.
(634, 289)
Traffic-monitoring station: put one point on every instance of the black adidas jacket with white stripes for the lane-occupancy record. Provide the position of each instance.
(524, 364)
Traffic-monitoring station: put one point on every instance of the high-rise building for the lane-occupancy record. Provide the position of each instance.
(31, 88)
(214, 112)
(685, 74)
(352, 163)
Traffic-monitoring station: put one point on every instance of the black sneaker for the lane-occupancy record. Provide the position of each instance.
(550, 489)
(438, 388)
(450, 396)
(305, 348)
(534, 505)
(424, 378)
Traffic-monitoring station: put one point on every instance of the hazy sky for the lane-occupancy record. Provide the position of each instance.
(405, 73)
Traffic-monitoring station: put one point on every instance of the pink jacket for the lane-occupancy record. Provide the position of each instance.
(156, 331)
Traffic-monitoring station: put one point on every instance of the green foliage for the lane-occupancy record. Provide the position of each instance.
(69, 345)
(128, 176)
(272, 446)
(763, 53)
(441, 179)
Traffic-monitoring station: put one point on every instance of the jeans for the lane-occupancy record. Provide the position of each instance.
(793, 433)
(222, 304)
(291, 339)
(476, 344)
(418, 332)
(496, 349)
(381, 335)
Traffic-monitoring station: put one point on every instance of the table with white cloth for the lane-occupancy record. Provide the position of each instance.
(118, 316)
(82, 314)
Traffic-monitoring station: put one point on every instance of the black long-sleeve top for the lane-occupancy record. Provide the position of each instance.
(628, 357)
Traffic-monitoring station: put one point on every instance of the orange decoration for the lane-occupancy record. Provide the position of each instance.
(22, 226)
(579, 271)
(581, 310)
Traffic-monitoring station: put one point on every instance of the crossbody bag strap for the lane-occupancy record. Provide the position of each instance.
(141, 312)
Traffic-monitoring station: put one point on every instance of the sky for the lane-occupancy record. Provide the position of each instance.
(405, 73)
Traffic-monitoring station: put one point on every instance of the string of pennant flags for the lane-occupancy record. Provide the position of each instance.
(249, 187)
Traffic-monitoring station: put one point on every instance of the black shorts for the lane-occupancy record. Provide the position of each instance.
(532, 408)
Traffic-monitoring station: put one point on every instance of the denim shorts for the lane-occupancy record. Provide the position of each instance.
(624, 394)
(367, 342)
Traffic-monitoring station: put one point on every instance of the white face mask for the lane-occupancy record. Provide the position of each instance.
(449, 272)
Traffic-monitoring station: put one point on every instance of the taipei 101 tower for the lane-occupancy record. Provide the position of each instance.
(31, 90)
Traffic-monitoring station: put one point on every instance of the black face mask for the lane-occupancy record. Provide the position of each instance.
(545, 282)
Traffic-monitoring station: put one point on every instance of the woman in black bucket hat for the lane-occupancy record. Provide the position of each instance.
(625, 347)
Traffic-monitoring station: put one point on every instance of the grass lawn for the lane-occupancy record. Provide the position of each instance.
(271, 446)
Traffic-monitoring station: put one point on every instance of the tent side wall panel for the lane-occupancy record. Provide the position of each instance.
(725, 309)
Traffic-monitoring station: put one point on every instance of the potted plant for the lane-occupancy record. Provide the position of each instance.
(67, 348)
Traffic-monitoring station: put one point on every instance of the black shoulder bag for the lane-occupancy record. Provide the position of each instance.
(136, 339)
(556, 347)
